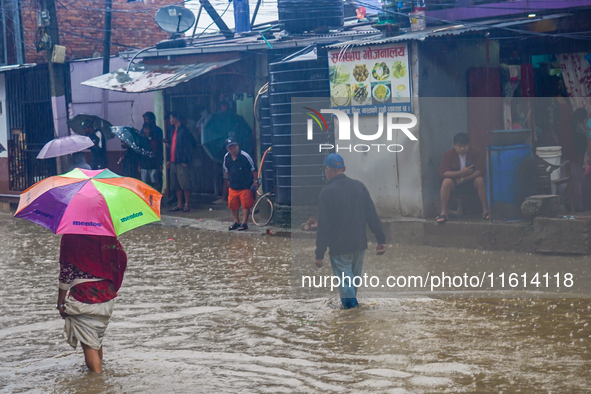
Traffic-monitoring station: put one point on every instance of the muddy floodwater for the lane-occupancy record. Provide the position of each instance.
(212, 312)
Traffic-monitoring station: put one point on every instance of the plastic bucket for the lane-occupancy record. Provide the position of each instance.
(552, 155)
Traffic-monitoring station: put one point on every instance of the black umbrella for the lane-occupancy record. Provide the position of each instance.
(220, 126)
(98, 123)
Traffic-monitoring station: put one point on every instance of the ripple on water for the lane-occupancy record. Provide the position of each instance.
(212, 312)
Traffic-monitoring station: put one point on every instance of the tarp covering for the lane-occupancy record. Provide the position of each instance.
(150, 78)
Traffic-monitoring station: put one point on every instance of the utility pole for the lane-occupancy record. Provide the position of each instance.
(107, 37)
(56, 79)
(107, 54)
(18, 31)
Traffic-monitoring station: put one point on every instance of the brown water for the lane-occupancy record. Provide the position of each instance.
(204, 311)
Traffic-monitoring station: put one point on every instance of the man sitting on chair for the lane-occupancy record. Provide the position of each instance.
(462, 169)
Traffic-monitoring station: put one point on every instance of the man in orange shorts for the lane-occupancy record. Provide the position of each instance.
(240, 171)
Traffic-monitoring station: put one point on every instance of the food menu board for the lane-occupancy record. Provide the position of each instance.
(370, 79)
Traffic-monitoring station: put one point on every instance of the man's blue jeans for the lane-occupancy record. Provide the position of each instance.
(348, 266)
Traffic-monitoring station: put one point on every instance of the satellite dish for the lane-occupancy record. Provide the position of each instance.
(174, 19)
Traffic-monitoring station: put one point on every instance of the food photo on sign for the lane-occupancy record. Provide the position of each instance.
(370, 79)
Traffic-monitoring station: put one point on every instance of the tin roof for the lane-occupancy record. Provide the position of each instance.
(17, 67)
(150, 78)
(218, 43)
(439, 31)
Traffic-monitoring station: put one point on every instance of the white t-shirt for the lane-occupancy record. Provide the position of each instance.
(462, 162)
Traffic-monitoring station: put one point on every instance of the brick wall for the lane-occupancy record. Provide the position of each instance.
(81, 24)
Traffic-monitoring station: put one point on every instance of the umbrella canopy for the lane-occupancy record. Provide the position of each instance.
(220, 126)
(64, 146)
(98, 123)
(92, 202)
(133, 138)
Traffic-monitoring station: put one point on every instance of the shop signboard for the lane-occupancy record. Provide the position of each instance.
(370, 80)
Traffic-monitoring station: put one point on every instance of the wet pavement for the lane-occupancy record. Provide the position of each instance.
(211, 311)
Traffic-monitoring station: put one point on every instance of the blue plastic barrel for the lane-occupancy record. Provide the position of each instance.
(241, 16)
(510, 180)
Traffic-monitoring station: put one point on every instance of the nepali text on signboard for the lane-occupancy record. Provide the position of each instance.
(370, 80)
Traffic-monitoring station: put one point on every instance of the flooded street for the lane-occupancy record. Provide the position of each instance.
(203, 311)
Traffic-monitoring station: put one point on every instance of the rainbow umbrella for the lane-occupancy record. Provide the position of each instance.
(93, 202)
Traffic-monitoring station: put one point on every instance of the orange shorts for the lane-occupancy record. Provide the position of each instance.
(240, 197)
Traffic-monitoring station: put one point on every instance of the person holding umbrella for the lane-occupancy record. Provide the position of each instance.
(98, 152)
(91, 209)
(151, 167)
(130, 161)
(91, 270)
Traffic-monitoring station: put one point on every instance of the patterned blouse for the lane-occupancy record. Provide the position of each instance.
(93, 292)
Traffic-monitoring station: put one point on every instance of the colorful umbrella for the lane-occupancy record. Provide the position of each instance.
(64, 146)
(93, 202)
(134, 138)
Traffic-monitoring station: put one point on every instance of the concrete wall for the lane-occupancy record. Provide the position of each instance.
(393, 179)
(123, 108)
(443, 69)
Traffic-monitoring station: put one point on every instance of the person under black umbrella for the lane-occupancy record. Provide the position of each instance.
(98, 152)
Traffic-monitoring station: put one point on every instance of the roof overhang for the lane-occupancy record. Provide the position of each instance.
(17, 67)
(144, 78)
(455, 29)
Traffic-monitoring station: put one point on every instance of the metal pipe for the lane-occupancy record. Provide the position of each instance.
(224, 29)
(256, 11)
(196, 22)
(134, 56)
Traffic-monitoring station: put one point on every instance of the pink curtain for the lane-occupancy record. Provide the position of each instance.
(576, 72)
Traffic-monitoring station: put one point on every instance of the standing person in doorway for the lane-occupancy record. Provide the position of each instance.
(345, 208)
(182, 144)
(560, 118)
(171, 201)
(240, 171)
(150, 118)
